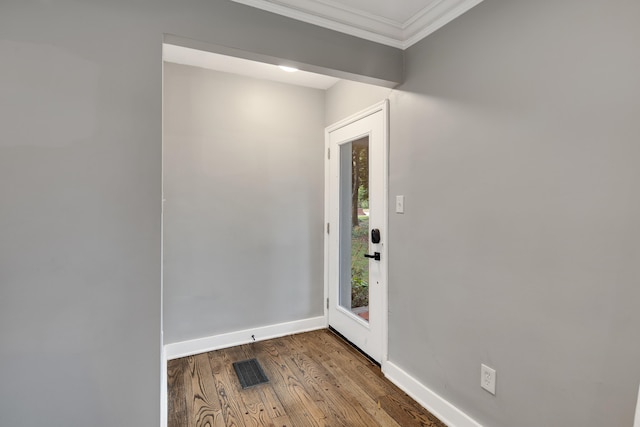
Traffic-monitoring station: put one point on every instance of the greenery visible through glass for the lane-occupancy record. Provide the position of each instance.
(360, 224)
(360, 264)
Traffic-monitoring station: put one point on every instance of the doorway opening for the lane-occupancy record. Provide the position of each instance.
(260, 235)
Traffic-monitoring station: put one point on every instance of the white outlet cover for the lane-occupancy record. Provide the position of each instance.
(488, 379)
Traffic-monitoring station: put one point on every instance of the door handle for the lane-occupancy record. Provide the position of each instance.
(375, 256)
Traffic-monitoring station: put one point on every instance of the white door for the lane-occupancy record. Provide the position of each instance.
(356, 211)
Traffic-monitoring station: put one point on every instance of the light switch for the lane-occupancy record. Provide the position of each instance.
(399, 204)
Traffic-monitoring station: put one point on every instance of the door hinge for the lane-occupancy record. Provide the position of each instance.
(328, 153)
(328, 228)
(327, 303)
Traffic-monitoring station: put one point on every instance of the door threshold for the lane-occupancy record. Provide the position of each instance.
(355, 347)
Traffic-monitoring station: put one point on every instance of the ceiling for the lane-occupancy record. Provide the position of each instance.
(244, 67)
(397, 23)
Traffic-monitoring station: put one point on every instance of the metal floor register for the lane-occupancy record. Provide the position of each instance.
(250, 373)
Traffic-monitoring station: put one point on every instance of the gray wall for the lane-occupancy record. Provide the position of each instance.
(80, 180)
(244, 189)
(515, 142)
(346, 98)
(80, 110)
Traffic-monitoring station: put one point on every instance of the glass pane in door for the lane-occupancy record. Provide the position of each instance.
(354, 227)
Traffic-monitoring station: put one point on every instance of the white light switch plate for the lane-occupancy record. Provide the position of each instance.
(399, 204)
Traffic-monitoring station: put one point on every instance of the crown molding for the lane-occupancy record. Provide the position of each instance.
(341, 19)
(365, 25)
(433, 17)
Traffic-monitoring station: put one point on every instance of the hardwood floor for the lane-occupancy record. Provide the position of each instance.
(315, 379)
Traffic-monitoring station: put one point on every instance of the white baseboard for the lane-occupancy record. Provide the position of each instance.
(216, 342)
(445, 411)
(637, 421)
(164, 402)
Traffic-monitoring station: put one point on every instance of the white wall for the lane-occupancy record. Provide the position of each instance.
(243, 217)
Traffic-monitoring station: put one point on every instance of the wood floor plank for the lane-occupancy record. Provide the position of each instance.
(283, 421)
(316, 379)
(325, 384)
(352, 364)
(177, 403)
(381, 417)
(332, 414)
(231, 410)
(407, 414)
(358, 391)
(203, 406)
(347, 361)
(255, 412)
(271, 402)
(305, 410)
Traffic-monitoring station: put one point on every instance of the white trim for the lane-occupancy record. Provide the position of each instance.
(231, 339)
(637, 421)
(385, 222)
(164, 395)
(374, 30)
(337, 11)
(335, 16)
(326, 223)
(438, 406)
(164, 407)
(431, 19)
(383, 107)
(380, 106)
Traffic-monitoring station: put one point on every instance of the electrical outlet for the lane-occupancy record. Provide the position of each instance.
(488, 378)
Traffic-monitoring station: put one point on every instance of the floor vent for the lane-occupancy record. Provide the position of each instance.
(250, 373)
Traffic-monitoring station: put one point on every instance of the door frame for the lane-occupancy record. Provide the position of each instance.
(384, 107)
